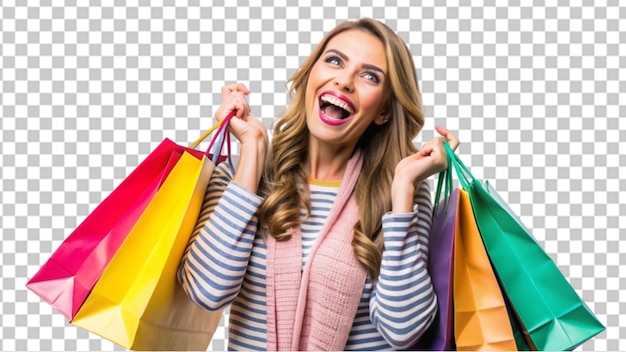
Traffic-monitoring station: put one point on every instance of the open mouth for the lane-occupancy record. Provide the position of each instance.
(335, 108)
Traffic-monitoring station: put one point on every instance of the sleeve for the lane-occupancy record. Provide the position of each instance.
(403, 302)
(215, 260)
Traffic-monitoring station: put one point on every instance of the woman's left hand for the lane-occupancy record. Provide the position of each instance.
(413, 169)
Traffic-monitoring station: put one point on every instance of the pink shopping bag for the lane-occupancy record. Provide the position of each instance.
(65, 280)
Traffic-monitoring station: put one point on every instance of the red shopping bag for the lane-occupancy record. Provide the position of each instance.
(66, 278)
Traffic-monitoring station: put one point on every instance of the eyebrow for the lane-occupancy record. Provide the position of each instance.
(345, 57)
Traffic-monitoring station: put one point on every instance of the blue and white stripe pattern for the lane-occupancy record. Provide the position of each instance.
(226, 263)
(322, 199)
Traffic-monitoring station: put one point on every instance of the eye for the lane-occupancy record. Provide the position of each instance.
(371, 77)
(334, 60)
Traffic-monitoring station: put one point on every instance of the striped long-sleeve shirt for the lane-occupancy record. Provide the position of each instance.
(225, 264)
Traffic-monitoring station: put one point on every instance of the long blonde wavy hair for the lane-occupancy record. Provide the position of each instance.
(284, 184)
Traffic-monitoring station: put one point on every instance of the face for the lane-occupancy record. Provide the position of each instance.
(347, 89)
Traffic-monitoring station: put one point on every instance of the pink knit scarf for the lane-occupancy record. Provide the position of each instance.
(314, 308)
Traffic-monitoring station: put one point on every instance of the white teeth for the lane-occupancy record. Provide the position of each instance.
(337, 102)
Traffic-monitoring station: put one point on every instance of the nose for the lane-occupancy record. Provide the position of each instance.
(344, 82)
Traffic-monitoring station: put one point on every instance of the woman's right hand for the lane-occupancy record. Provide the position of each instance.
(246, 128)
(249, 131)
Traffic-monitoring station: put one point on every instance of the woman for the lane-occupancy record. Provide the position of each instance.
(322, 242)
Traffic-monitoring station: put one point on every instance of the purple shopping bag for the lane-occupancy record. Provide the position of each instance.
(440, 335)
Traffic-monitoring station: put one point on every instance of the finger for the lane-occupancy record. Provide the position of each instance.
(449, 136)
(239, 110)
(235, 88)
(227, 90)
(240, 87)
(222, 112)
(226, 109)
(243, 108)
(426, 149)
(236, 103)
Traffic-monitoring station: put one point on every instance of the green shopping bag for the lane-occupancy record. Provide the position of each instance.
(551, 313)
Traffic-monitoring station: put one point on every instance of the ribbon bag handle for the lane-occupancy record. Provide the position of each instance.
(464, 175)
(204, 136)
(221, 136)
(445, 177)
(220, 126)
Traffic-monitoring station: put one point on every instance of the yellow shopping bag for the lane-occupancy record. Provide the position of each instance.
(137, 303)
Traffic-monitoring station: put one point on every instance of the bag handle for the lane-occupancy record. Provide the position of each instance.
(204, 136)
(464, 175)
(445, 177)
(219, 137)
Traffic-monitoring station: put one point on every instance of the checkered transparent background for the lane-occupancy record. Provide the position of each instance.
(533, 90)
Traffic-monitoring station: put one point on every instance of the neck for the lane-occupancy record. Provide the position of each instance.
(324, 163)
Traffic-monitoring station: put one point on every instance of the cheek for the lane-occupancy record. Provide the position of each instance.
(373, 100)
(309, 96)
(315, 75)
(312, 85)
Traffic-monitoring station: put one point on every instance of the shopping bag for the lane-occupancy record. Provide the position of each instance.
(440, 335)
(481, 320)
(549, 310)
(137, 303)
(518, 332)
(67, 277)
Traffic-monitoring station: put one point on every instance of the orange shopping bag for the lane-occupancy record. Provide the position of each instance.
(481, 321)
